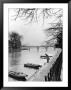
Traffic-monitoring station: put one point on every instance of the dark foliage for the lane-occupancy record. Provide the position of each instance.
(59, 39)
(14, 42)
(55, 71)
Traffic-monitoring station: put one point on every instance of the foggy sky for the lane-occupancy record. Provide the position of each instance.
(33, 33)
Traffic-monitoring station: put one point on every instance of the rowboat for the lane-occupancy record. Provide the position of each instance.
(17, 75)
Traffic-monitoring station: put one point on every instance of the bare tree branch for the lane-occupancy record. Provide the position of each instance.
(32, 13)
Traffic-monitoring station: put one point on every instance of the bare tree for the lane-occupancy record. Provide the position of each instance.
(32, 14)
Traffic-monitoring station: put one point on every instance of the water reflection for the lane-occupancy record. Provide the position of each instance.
(14, 58)
(17, 59)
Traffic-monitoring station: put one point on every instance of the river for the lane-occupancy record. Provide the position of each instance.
(17, 60)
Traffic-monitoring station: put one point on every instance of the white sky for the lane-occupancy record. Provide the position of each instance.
(33, 33)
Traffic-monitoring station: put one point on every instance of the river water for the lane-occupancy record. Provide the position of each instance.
(17, 60)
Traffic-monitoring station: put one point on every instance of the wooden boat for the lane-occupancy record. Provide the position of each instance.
(45, 56)
(33, 66)
(17, 76)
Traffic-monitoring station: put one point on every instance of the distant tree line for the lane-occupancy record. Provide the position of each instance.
(14, 41)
